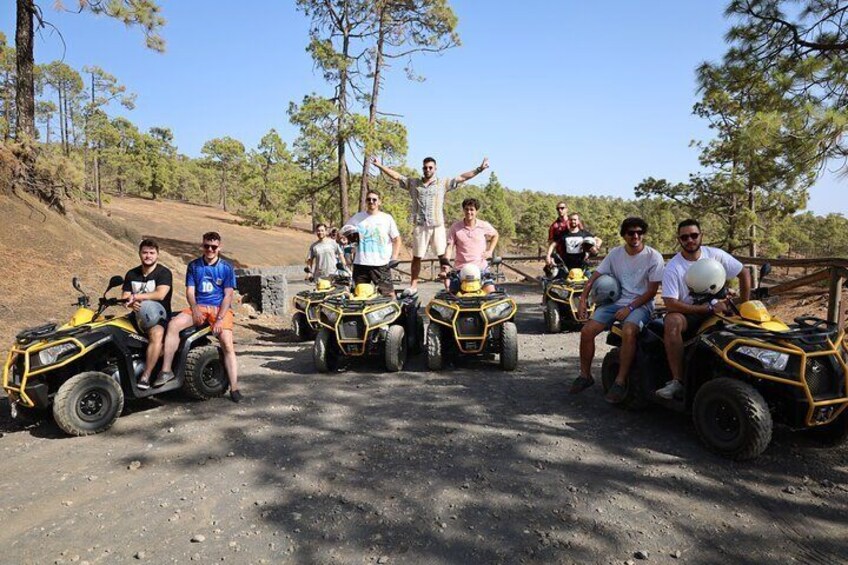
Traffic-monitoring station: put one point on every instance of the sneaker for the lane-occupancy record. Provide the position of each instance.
(163, 378)
(143, 383)
(672, 389)
(616, 394)
(580, 384)
(411, 291)
(235, 396)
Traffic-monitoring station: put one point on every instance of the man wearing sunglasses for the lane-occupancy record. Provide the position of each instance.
(684, 318)
(428, 219)
(210, 282)
(555, 232)
(378, 244)
(638, 270)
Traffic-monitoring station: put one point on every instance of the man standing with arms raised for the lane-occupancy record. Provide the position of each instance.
(428, 200)
(683, 316)
(379, 244)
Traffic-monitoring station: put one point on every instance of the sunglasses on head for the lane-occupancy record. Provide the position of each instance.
(372, 199)
(210, 246)
(631, 233)
(688, 236)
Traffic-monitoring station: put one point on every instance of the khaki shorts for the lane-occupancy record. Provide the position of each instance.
(424, 236)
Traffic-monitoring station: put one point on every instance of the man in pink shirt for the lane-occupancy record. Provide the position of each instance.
(474, 241)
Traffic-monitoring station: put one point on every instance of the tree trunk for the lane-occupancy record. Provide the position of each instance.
(96, 179)
(67, 123)
(223, 202)
(61, 118)
(25, 61)
(372, 108)
(752, 232)
(342, 141)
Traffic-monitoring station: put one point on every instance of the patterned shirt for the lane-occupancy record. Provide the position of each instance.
(428, 200)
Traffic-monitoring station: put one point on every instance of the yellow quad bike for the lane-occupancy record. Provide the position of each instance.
(307, 303)
(561, 298)
(86, 368)
(472, 323)
(367, 324)
(743, 372)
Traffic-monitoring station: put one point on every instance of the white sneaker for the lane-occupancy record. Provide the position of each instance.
(671, 390)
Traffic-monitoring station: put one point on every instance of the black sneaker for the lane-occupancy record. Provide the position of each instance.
(143, 384)
(163, 378)
(235, 396)
(616, 394)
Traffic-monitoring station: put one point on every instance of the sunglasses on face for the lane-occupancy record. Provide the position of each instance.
(372, 199)
(210, 246)
(633, 233)
(688, 236)
(561, 208)
(429, 168)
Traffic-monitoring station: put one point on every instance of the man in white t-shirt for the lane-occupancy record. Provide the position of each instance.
(683, 316)
(638, 270)
(379, 243)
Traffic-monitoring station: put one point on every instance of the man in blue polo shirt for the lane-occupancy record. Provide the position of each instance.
(210, 283)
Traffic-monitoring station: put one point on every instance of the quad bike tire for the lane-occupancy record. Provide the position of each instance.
(324, 352)
(832, 434)
(509, 346)
(633, 399)
(395, 349)
(88, 403)
(205, 376)
(416, 342)
(553, 318)
(435, 347)
(732, 418)
(300, 327)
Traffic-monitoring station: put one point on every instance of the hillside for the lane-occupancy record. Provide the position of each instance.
(41, 250)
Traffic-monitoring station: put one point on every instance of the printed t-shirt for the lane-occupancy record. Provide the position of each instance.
(633, 272)
(428, 201)
(470, 243)
(136, 282)
(572, 242)
(674, 277)
(209, 281)
(324, 255)
(376, 232)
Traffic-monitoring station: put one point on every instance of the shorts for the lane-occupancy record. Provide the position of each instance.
(381, 277)
(210, 316)
(606, 315)
(423, 236)
(486, 279)
(693, 323)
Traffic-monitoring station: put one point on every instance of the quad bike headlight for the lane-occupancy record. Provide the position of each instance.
(330, 316)
(377, 317)
(498, 311)
(772, 360)
(442, 312)
(559, 292)
(52, 355)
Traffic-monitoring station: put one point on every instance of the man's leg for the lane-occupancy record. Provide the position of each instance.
(630, 333)
(590, 331)
(154, 350)
(420, 243)
(230, 362)
(415, 272)
(674, 326)
(172, 339)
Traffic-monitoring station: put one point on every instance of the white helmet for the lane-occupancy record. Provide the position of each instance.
(706, 276)
(470, 272)
(605, 290)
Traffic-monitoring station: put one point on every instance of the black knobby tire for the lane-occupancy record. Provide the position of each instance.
(832, 434)
(732, 418)
(301, 327)
(553, 318)
(88, 403)
(509, 346)
(416, 341)
(324, 352)
(205, 376)
(633, 399)
(395, 349)
(435, 347)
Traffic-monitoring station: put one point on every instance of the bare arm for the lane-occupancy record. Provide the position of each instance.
(493, 242)
(192, 301)
(549, 254)
(395, 248)
(225, 303)
(474, 172)
(392, 174)
(680, 307)
(745, 285)
(159, 293)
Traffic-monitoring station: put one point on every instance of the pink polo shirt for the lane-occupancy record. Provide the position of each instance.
(470, 243)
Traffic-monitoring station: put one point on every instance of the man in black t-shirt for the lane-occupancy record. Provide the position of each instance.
(577, 242)
(149, 281)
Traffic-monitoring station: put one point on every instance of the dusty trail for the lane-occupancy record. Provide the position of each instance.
(469, 465)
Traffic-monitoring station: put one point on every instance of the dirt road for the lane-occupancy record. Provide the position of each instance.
(470, 465)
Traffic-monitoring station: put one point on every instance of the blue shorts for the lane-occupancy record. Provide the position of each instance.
(606, 315)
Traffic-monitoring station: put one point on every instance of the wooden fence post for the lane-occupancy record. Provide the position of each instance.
(834, 304)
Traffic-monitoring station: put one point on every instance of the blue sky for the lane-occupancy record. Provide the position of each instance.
(568, 97)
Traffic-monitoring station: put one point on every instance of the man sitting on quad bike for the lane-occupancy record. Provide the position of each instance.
(210, 283)
(147, 292)
(576, 244)
(638, 270)
(323, 255)
(684, 317)
(474, 242)
(378, 244)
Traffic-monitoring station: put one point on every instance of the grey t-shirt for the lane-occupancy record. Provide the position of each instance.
(324, 254)
(633, 272)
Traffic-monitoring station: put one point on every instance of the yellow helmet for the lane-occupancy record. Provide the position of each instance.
(323, 284)
(576, 275)
(363, 290)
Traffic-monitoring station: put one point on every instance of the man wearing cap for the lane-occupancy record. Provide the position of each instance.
(428, 197)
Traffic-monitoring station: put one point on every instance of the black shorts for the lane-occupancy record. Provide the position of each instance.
(693, 322)
(381, 277)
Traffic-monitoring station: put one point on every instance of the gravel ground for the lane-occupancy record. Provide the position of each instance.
(470, 465)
